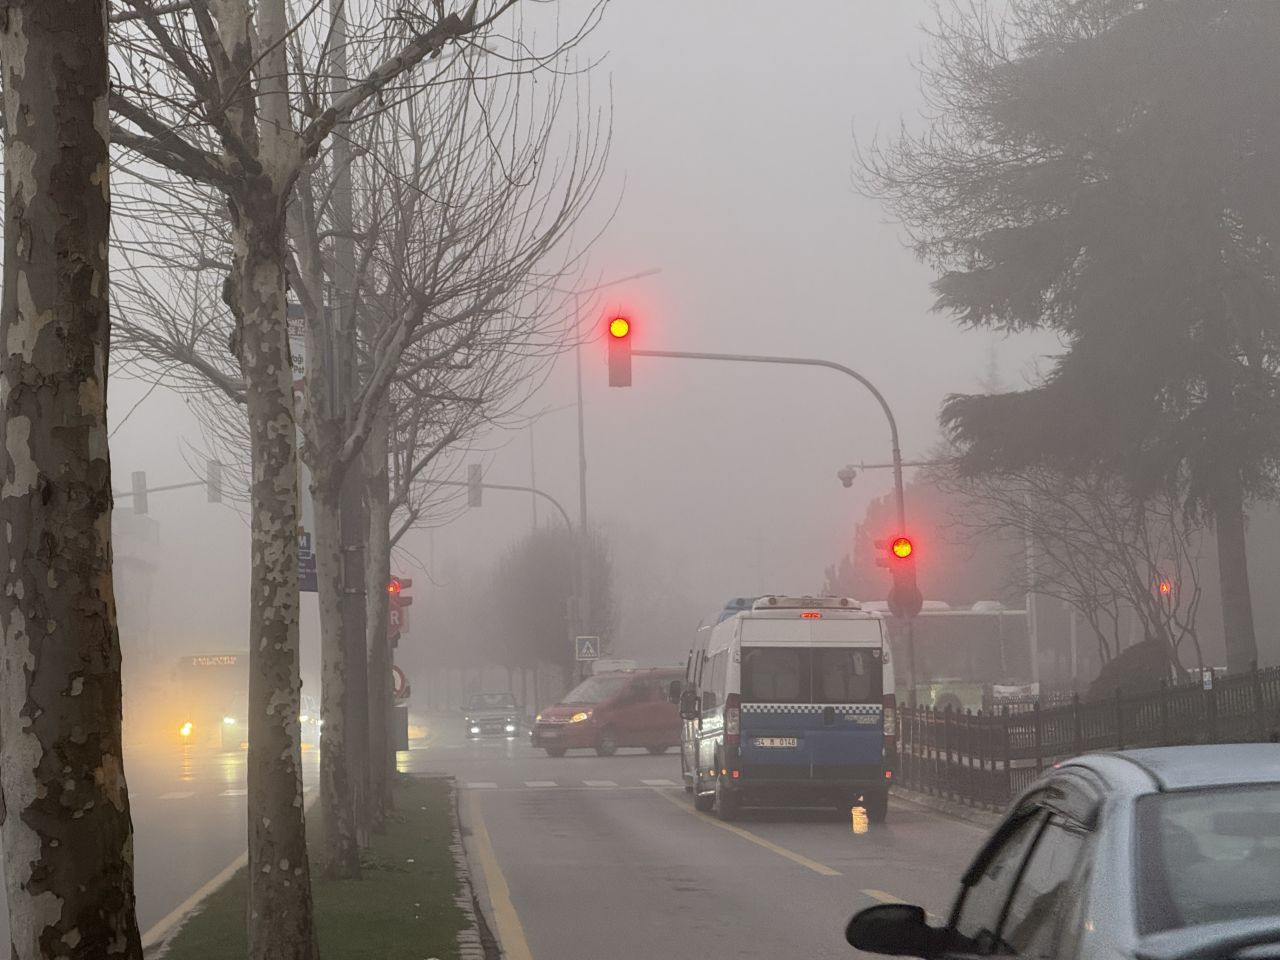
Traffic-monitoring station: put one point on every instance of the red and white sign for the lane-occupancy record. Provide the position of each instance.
(399, 684)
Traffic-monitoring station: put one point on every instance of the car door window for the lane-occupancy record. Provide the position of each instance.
(1046, 890)
(982, 905)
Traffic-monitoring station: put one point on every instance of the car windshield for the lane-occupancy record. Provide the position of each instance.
(492, 701)
(1206, 856)
(811, 675)
(595, 690)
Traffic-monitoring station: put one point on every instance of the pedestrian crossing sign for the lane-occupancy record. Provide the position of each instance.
(588, 648)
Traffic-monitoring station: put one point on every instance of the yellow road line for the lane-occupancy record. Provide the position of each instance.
(759, 841)
(510, 929)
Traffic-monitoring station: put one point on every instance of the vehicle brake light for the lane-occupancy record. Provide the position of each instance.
(811, 615)
(732, 720)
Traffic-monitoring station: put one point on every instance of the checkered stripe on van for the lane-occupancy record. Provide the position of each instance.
(863, 709)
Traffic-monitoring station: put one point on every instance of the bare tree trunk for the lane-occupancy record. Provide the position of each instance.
(1233, 571)
(64, 804)
(281, 924)
(378, 566)
(341, 849)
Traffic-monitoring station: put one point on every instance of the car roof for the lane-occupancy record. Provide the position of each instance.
(1181, 768)
(642, 672)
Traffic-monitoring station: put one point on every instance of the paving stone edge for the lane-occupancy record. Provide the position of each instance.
(470, 944)
(955, 809)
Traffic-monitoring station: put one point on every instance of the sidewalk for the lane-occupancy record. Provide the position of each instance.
(954, 809)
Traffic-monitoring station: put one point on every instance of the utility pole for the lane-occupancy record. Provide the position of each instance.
(353, 526)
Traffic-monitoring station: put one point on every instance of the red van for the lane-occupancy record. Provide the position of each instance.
(628, 708)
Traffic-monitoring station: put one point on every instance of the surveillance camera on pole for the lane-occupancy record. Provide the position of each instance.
(847, 475)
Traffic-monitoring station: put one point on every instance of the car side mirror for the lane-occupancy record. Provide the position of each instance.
(675, 689)
(896, 929)
(689, 704)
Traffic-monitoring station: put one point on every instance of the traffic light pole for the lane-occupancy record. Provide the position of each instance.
(899, 495)
(576, 572)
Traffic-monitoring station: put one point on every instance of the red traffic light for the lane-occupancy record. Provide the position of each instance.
(619, 327)
(902, 548)
(394, 586)
(1165, 588)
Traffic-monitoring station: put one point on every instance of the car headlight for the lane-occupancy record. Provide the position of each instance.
(475, 729)
(537, 718)
(304, 719)
(185, 729)
(511, 728)
(228, 720)
(579, 717)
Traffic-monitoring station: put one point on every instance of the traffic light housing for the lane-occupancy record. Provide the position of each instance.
(396, 591)
(475, 491)
(899, 555)
(619, 340)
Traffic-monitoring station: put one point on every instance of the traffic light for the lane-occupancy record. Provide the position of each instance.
(139, 491)
(213, 481)
(475, 492)
(396, 594)
(619, 352)
(898, 554)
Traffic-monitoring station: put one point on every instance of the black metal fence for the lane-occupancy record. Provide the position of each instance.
(985, 759)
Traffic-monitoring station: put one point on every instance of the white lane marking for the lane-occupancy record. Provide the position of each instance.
(600, 783)
(482, 785)
(658, 783)
(540, 783)
(177, 795)
(234, 793)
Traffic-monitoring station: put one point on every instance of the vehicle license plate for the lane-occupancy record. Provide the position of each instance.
(549, 734)
(777, 742)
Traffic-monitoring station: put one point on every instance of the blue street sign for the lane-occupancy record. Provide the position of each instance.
(307, 579)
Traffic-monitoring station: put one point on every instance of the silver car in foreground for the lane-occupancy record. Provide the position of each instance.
(1163, 854)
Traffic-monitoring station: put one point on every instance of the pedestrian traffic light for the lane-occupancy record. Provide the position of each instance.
(475, 489)
(619, 339)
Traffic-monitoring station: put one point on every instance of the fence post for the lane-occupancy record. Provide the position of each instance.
(946, 745)
(1212, 710)
(1119, 719)
(981, 740)
(1008, 767)
(1035, 716)
(1078, 731)
(1259, 716)
(1164, 712)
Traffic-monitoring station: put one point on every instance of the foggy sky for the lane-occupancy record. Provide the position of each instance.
(732, 138)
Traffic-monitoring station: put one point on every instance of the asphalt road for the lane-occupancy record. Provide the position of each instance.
(585, 857)
(188, 808)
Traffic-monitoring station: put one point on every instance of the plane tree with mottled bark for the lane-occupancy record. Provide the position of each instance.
(64, 805)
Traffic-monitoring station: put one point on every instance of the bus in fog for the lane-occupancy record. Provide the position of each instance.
(205, 685)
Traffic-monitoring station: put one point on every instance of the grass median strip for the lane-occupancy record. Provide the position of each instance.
(402, 909)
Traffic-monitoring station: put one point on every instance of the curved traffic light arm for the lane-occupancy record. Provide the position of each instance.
(810, 362)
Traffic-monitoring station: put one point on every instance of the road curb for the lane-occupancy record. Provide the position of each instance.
(155, 942)
(949, 808)
(471, 939)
